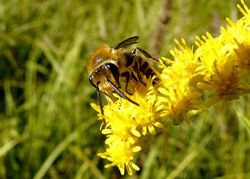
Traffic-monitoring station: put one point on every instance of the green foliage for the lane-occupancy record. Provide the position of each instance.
(47, 127)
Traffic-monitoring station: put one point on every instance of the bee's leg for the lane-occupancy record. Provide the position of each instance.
(127, 79)
(127, 82)
(137, 67)
(154, 61)
(145, 53)
(99, 99)
(120, 93)
(134, 77)
(137, 61)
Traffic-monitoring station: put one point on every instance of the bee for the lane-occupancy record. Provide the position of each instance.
(108, 67)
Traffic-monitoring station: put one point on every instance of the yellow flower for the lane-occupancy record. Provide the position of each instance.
(126, 123)
(217, 69)
(178, 82)
(226, 60)
(124, 118)
(238, 35)
(221, 74)
(121, 153)
(183, 68)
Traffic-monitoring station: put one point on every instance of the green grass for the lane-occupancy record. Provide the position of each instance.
(47, 127)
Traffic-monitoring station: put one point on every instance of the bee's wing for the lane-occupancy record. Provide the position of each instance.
(126, 43)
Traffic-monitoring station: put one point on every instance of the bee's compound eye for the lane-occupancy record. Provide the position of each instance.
(114, 70)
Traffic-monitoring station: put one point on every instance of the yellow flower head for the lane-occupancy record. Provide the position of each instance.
(217, 69)
(121, 153)
(123, 117)
(126, 123)
(226, 59)
(178, 82)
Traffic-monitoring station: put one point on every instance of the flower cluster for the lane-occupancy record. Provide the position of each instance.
(178, 84)
(218, 69)
(126, 123)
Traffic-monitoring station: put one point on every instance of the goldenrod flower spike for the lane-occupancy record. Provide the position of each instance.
(226, 60)
(218, 69)
(126, 123)
(178, 82)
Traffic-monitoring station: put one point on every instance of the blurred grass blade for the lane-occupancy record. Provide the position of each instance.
(189, 158)
(151, 159)
(241, 110)
(9, 100)
(244, 120)
(7, 39)
(82, 169)
(55, 153)
(87, 164)
(58, 150)
(8, 146)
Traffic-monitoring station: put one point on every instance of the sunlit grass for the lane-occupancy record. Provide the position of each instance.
(47, 127)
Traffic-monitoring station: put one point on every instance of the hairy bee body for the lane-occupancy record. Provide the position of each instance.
(111, 67)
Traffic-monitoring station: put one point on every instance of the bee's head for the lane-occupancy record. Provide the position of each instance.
(106, 71)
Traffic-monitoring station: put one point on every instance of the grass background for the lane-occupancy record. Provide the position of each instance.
(47, 127)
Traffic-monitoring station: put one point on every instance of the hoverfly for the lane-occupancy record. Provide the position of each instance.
(108, 67)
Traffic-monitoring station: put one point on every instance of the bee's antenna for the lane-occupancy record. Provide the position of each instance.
(120, 93)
